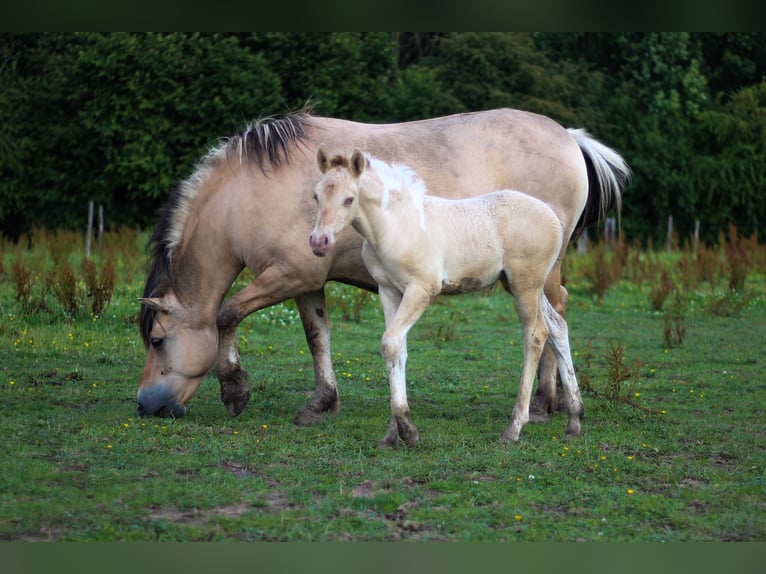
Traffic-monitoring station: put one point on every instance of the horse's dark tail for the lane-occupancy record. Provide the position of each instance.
(608, 175)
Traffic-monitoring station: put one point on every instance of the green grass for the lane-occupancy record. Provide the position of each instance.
(79, 465)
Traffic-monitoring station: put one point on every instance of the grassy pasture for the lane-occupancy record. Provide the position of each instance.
(673, 450)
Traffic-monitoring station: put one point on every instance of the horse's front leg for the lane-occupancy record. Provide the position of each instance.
(272, 286)
(235, 392)
(401, 314)
(313, 311)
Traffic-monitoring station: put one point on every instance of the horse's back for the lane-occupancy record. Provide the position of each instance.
(470, 154)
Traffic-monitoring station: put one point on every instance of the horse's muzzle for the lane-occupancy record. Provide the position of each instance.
(159, 402)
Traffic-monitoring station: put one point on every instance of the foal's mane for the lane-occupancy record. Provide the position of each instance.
(266, 144)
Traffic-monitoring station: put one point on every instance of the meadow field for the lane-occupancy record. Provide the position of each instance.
(669, 352)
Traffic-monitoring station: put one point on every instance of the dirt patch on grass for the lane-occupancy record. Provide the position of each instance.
(196, 516)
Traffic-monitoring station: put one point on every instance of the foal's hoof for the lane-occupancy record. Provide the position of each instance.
(510, 436)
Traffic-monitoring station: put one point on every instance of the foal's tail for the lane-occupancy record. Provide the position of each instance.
(608, 175)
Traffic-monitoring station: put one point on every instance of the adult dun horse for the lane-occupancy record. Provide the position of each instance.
(418, 246)
(231, 213)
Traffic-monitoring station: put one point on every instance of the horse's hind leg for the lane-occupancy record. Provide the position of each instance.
(545, 402)
(535, 335)
(559, 340)
(313, 311)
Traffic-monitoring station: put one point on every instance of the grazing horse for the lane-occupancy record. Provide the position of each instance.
(418, 246)
(231, 212)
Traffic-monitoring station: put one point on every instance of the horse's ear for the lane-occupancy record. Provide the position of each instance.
(155, 304)
(358, 162)
(323, 158)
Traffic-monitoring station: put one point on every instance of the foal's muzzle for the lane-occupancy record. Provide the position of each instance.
(321, 243)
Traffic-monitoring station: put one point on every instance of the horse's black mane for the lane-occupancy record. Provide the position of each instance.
(267, 143)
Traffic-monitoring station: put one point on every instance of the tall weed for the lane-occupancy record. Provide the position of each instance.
(100, 286)
(674, 326)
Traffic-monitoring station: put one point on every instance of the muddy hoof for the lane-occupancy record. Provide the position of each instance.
(235, 392)
(540, 409)
(307, 417)
(537, 418)
(235, 404)
(389, 443)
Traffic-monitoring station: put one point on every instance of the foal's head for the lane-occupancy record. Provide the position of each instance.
(337, 195)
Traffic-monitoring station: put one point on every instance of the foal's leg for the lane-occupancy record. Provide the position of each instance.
(559, 340)
(535, 335)
(401, 312)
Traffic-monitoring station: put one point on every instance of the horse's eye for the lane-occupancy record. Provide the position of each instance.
(316, 198)
(349, 201)
(156, 342)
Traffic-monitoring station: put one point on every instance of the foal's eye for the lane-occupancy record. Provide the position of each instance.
(349, 201)
(316, 197)
(156, 342)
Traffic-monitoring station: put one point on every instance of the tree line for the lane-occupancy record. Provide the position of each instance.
(120, 118)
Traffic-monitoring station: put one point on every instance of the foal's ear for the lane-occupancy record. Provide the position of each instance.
(358, 162)
(323, 158)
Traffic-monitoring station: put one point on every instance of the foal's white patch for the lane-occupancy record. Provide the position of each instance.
(400, 178)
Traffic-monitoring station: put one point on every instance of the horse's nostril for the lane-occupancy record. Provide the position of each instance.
(141, 410)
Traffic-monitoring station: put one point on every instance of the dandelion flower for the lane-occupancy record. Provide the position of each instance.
(630, 491)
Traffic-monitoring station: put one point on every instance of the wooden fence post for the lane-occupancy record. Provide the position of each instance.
(696, 236)
(670, 232)
(100, 227)
(582, 243)
(89, 231)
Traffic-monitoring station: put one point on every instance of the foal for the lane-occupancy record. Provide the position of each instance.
(418, 246)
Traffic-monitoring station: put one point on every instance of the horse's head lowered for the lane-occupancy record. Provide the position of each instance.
(337, 195)
(180, 353)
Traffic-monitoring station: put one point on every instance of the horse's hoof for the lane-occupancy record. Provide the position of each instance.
(540, 409)
(235, 392)
(235, 406)
(389, 443)
(234, 397)
(307, 417)
(537, 418)
(574, 430)
(411, 438)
